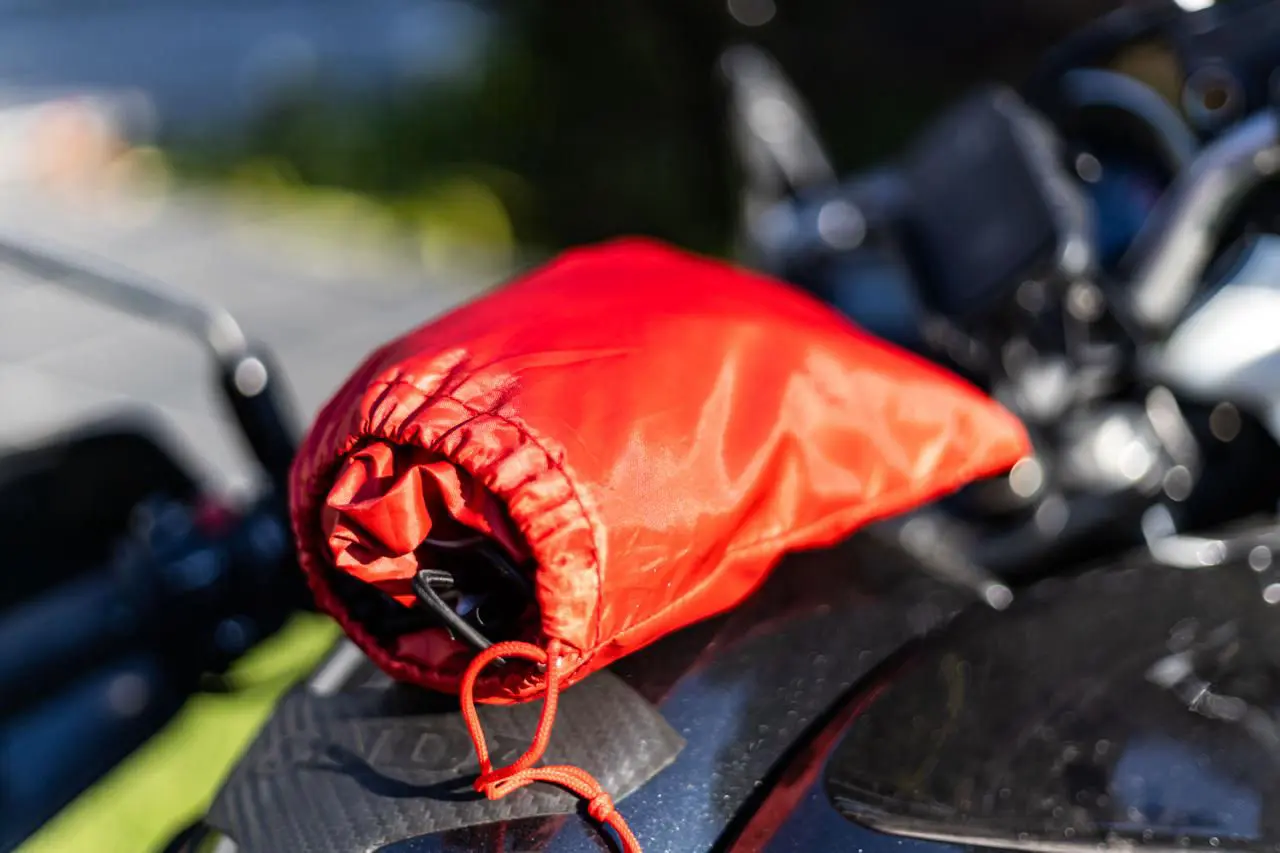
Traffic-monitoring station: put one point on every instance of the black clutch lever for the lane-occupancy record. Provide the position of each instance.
(254, 389)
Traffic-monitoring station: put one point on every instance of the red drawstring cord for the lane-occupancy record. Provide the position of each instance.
(496, 784)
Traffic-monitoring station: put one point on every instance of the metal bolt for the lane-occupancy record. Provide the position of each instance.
(1085, 301)
(128, 694)
(841, 225)
(1088, 167)
(250, 377)
(1178, 483)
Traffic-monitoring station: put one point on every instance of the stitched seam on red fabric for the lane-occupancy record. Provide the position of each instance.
(334, 605)
(329, 602)
(554, 465)
(970, 473)
(314, 566)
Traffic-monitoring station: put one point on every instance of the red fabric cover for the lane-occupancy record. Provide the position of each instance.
(653, 428)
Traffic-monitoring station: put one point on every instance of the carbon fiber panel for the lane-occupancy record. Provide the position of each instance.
(350, 772)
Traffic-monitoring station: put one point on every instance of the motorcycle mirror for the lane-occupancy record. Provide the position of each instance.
(773, 136)
(250, 383)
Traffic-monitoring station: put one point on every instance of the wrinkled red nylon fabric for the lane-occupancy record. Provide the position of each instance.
(655, 430)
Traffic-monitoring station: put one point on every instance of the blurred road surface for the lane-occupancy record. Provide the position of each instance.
(320, 307)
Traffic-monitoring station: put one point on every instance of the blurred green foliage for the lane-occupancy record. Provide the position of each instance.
(579, 138)
(589, 119)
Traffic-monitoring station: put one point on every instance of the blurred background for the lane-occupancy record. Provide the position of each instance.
(467, 129)
(335, 171)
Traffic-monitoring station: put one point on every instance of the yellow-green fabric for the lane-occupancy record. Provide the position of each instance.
(169, 783)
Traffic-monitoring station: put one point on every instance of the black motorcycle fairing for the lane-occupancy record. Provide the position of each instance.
(1133, 706)
(742, 690)
(79, 489)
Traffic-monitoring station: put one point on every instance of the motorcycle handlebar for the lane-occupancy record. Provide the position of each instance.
(1083, 89)
(62, 634)
(53, 752)
(1170, 255)
(198, 598)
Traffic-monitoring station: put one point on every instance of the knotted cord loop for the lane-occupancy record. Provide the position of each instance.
(496, 784)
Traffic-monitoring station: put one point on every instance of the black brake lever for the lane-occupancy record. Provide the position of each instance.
(254, 390)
